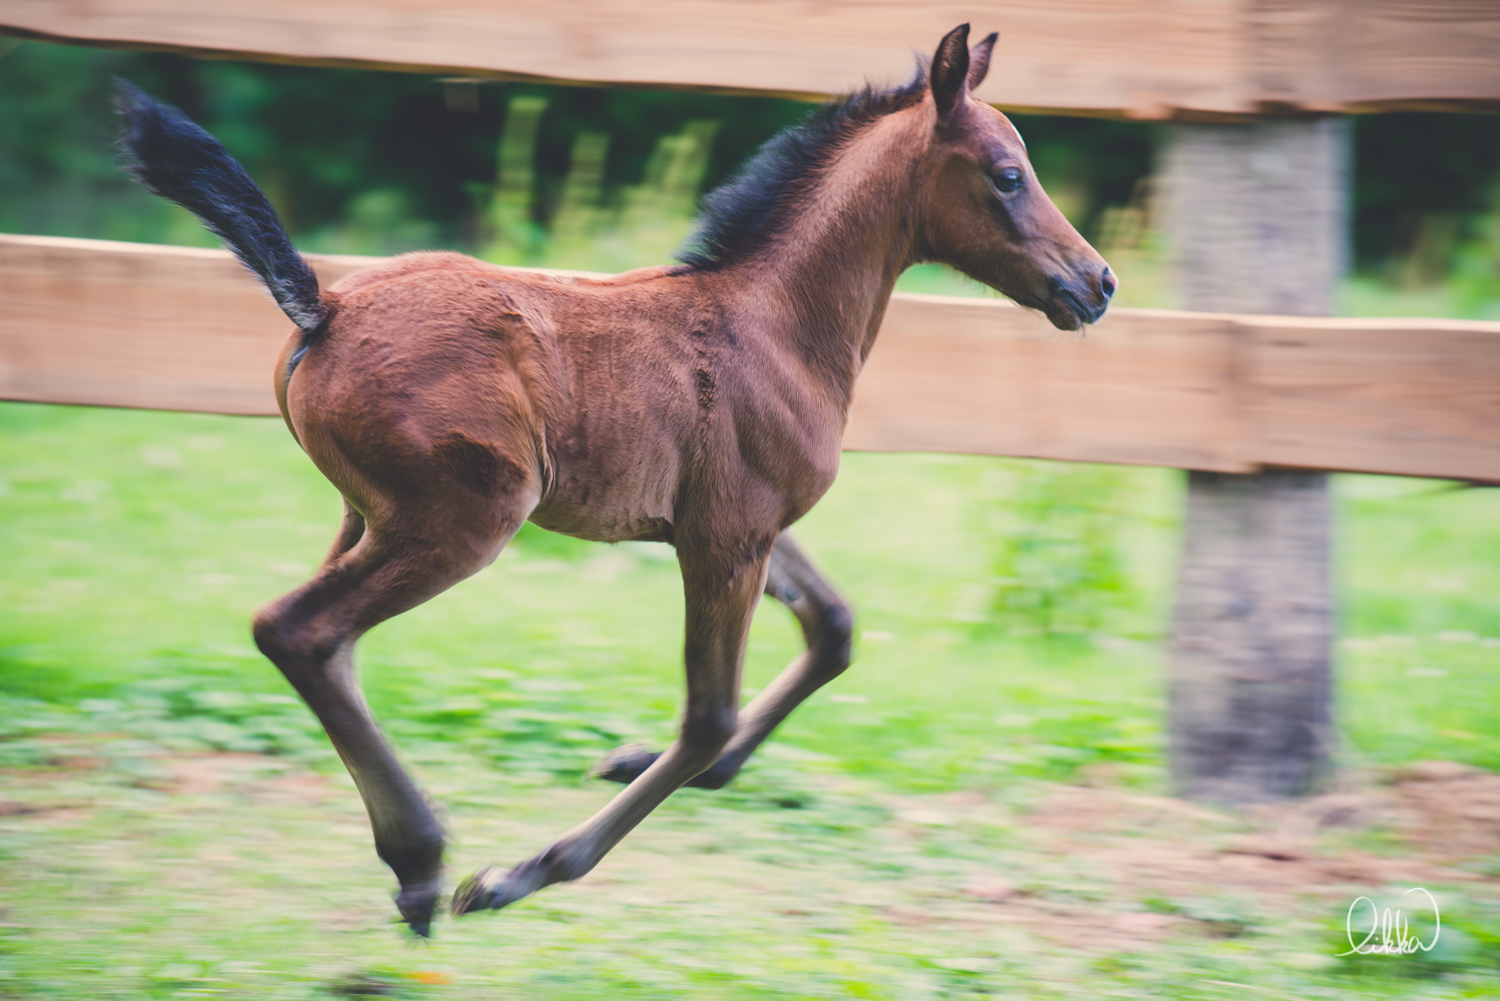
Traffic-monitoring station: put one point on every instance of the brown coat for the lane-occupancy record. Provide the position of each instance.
(702, 405)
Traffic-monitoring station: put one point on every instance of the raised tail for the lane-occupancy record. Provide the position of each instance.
(173, 157)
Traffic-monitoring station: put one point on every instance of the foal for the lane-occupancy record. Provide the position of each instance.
(700, 404)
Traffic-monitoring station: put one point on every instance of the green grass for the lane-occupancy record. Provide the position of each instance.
(141, 543)
(1420, 668)
(136, 546)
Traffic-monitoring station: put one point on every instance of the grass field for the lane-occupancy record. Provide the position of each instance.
(975, 809)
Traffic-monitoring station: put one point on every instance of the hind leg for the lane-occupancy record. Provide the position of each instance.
(828, 628)
(310, 635)
(350, 532)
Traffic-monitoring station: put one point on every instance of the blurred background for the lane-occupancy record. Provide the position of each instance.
(977, 809)
(362, 162)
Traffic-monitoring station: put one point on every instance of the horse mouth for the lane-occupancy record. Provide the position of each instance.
(1068, 311)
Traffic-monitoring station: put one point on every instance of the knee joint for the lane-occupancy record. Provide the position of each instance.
(289, 643)
(835, 638)
(271, 635)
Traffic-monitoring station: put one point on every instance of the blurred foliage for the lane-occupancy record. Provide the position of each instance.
(372, 162)
(375, 163)
(1060, 566)
(1423, 186)
(355, 161)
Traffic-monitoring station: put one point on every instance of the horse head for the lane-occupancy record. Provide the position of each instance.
(983, 210)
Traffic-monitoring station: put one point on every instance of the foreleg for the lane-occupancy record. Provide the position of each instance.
(721, 597)
(827, 626)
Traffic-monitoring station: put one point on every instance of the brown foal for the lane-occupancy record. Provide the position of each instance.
(699, 404)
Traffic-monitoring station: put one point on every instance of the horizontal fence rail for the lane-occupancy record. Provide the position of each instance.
(179, 328)
(1173, 58)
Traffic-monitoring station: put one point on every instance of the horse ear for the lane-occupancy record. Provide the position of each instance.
(950, 69)
(979, 58)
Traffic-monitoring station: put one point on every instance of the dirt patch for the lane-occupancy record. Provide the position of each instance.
(255, 776)
(201, 774)
(1090, 869)
(1107, 869)
(1449, 810)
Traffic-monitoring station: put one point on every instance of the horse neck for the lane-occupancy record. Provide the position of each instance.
(830, 270)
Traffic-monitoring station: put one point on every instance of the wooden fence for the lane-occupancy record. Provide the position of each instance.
(1186, 59)
(179, 328)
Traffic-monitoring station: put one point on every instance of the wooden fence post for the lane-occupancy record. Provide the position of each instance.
(1258, 218)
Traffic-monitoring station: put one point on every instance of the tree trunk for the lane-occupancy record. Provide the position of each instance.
(1258, 217)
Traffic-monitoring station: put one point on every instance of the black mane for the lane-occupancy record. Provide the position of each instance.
(737, 216)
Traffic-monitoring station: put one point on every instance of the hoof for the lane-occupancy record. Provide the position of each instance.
(714, 778)
(475, 892)
(625, 764)
(491, 889)
(417, 904)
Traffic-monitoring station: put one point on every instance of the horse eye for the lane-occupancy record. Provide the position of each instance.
(1008, 179)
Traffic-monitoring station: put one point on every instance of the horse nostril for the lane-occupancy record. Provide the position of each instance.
(1107, 283)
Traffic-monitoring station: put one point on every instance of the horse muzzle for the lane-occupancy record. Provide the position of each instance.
(1072, 303)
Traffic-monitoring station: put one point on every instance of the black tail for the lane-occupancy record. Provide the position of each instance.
(176, 159)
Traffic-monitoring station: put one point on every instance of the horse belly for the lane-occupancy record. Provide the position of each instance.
(623, 503)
